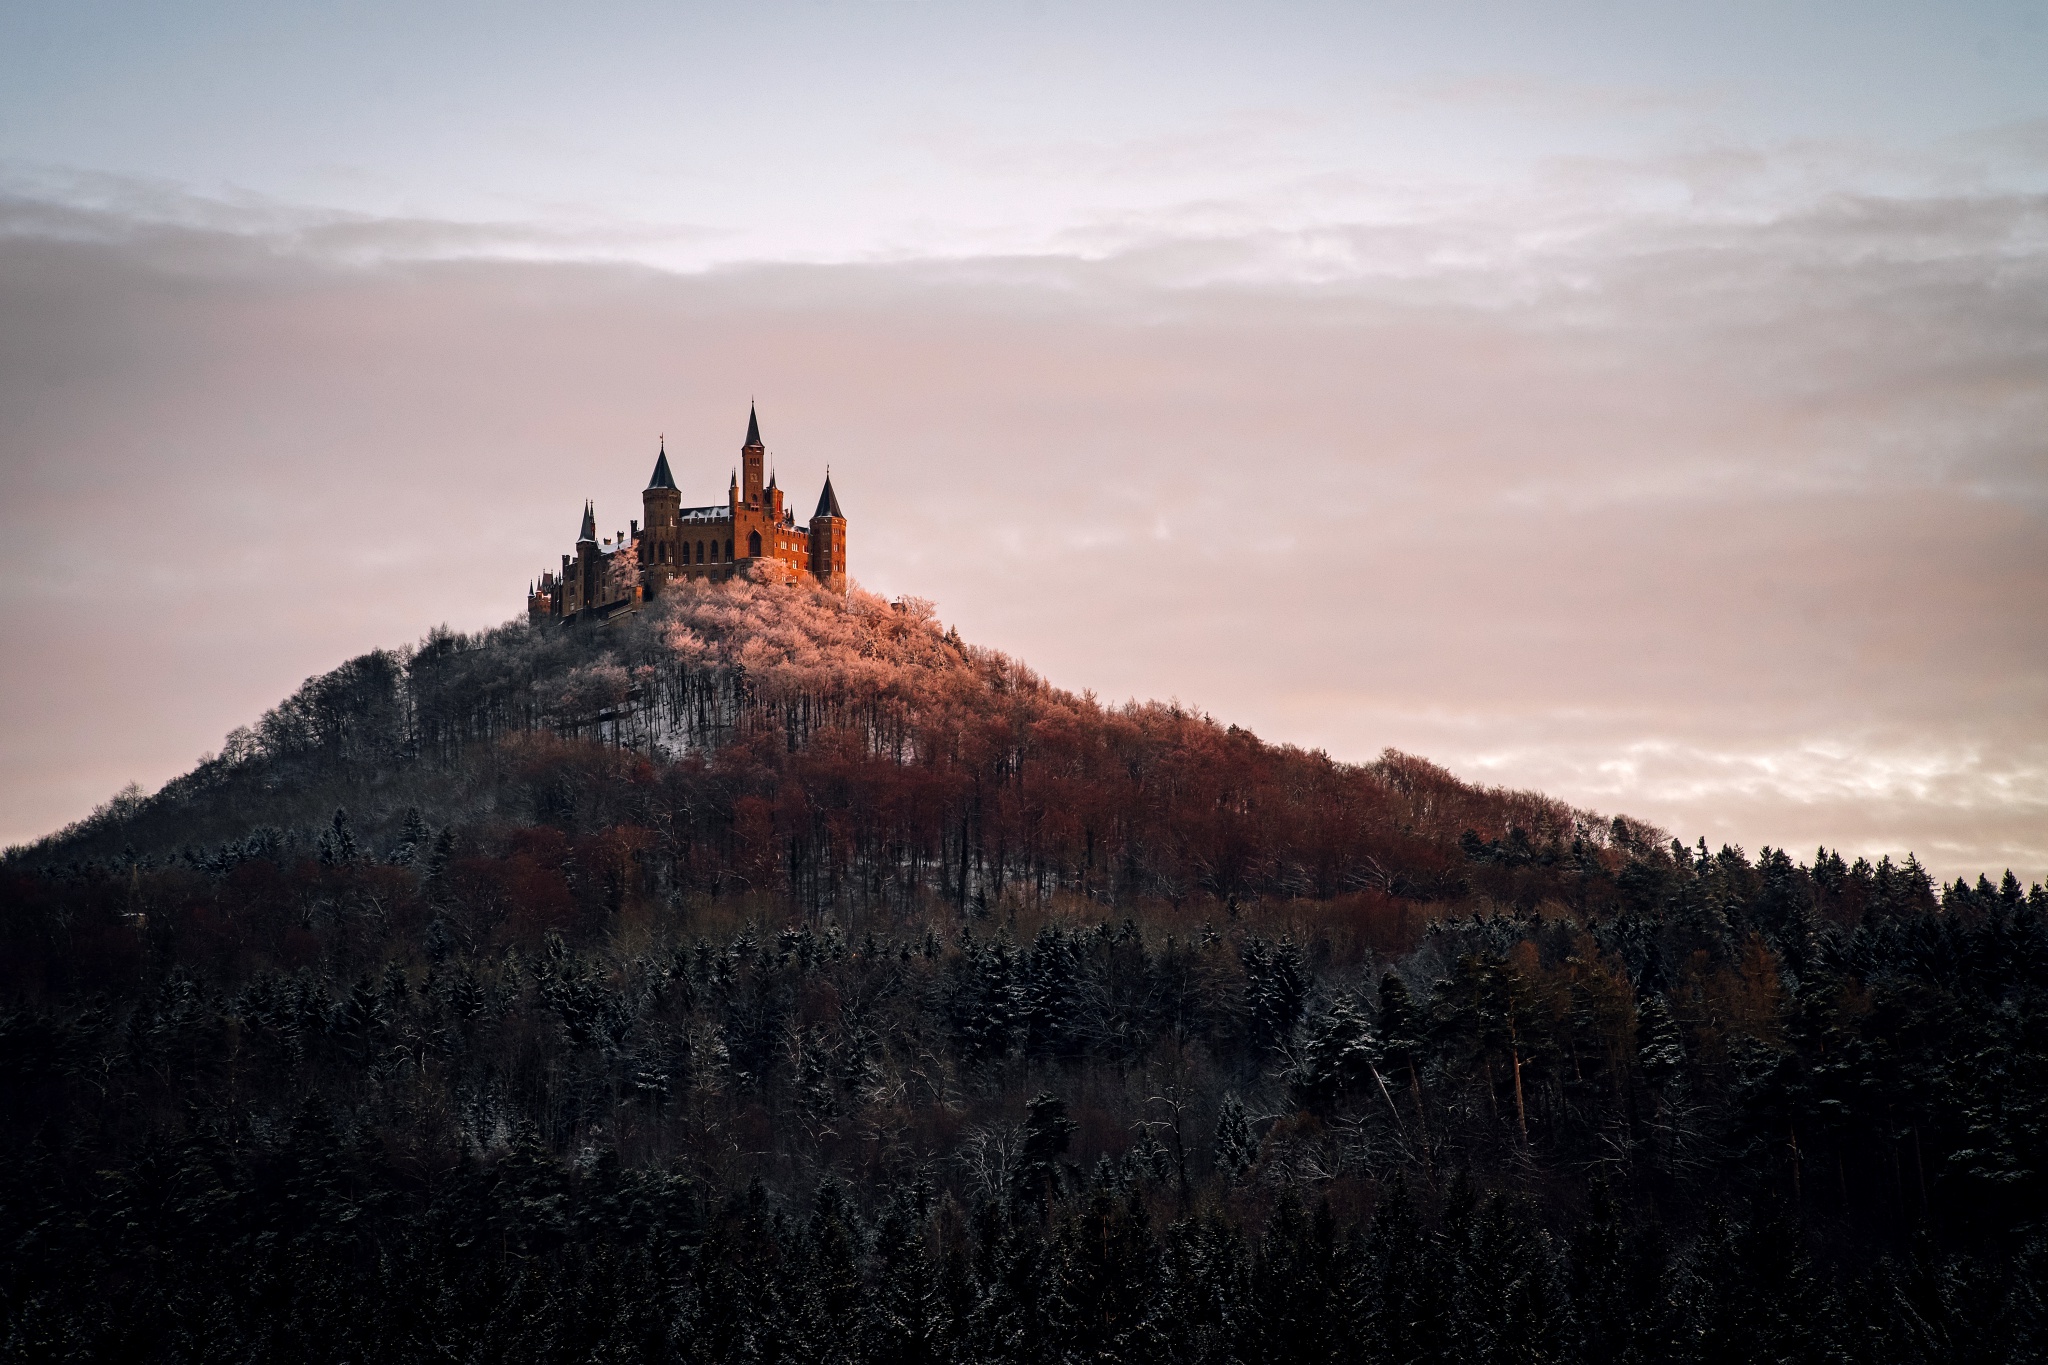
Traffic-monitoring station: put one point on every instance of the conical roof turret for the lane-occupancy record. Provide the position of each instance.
(753, 428)
(828, 501)
(662, 478)
(589, 524)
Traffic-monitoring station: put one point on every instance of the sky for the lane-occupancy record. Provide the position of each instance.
(1647, 404)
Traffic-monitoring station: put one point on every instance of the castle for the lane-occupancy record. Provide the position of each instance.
(750, 528)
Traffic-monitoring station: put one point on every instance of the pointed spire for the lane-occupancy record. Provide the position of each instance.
(828, 501)
(753, 427)
(771, 479)
(662, 478)
(735, 478)
(589, 524)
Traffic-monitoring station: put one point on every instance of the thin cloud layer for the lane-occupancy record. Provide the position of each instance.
(1737, 527)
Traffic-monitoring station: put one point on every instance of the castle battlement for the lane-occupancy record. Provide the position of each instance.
(751, 527)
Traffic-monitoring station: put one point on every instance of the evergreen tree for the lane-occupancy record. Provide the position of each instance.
(907, 1321)
(1047, 1130)
(1295, 1305)
(1237, 1146)
(1105, 1283)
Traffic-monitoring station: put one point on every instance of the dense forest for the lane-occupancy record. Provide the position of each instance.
(772, 976)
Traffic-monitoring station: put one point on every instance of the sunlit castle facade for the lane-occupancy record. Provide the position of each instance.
(750, 528)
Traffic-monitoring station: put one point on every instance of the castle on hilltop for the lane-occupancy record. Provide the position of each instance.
(751, 527)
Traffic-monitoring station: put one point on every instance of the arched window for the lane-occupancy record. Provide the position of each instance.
(753, 545)
(700, 552)
(728, 551)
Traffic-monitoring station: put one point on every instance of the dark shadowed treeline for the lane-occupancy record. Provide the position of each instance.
(773, 977)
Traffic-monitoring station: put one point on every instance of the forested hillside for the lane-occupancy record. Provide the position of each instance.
(773, 976)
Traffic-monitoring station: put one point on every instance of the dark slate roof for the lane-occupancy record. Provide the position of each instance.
(589, 524)
(661, 477)
(828, 502)
(753, 427)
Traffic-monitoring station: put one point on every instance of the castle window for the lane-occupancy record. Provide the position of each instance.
(753, 545)
(700, 552)
(728, 549)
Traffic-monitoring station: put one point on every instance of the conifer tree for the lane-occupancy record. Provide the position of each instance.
(1295, 1308)
(1105, 1281)
(1047, 1130)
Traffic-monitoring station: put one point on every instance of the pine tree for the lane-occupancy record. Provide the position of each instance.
(1275, 987)
(1105, 1283)
(1237, 1146)
(1047, 1130)
(828, 1321)
(412, 834)
(1204, 1290)
(1295, 1308)
(1336, 1060)
(1399, 1288)
(338, 841)
(906, 1320)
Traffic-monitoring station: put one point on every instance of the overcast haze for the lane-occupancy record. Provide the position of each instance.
(1648, 408)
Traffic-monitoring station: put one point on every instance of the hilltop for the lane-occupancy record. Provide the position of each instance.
(841, 751)
(773, 974)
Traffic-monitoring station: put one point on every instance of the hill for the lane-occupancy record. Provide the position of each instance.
(838, 751)
(773, 974)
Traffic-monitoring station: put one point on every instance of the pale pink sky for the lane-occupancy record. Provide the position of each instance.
(1737, 528)
(1647, 404)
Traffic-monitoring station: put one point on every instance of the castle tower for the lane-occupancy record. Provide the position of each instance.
(589, 563)
(753, 461)
(828, 539)
(660, 550)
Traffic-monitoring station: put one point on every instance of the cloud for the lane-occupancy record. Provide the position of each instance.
(1527, 93)
(1735, 526)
